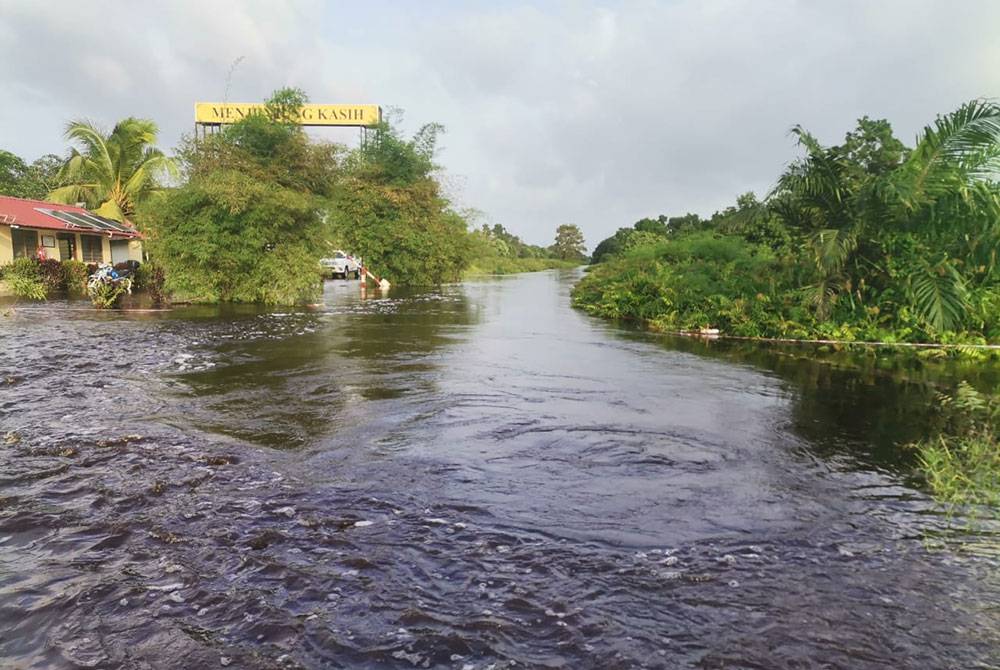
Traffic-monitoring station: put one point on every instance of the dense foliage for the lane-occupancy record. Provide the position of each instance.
(863, 240)
(246, 226)
(115, 172)
(23, 180)
(25, 279)
(75, 275)
(389, 209)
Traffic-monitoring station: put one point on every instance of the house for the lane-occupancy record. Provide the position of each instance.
(64, 232)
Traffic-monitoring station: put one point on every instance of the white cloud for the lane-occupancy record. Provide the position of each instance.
(594, 114)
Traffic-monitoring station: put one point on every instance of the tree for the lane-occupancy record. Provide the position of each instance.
(389, 210)
(12, 173)
(879, 220)
(42, 176)
(569, 244)
(657, 226)
(247, 226)
(114, 172)
(28, 181)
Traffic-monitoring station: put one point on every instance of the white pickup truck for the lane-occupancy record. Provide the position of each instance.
(341, 265)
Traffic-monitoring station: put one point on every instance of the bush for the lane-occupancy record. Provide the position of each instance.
(692, 281)
(25, 279)
(150, 277)
(105, 292)
(390, 210)
(962, 462)
(75, 276)
(229, 236)
(51, 272)
(247, 225)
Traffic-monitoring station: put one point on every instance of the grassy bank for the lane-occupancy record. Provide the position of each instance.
(509, 266)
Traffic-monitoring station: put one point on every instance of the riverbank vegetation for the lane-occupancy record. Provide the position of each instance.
(865, 240)
(961, 461)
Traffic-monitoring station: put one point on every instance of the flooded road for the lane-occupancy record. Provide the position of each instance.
(473, 478)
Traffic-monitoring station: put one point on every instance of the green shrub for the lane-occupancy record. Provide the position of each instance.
(75, 275)
(691, 281)
(151, 278)
(106, 293)
(25, 279)
(229, 236)
(962, 462)
(391, 211)
(247, 226)
(51, 272)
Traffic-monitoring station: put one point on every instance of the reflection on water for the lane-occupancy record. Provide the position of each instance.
(472, 477)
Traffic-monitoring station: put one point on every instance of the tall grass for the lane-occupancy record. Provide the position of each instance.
(962, 462)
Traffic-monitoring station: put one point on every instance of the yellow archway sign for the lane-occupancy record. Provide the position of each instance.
(219, 113)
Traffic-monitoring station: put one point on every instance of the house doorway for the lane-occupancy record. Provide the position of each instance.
(67, 246)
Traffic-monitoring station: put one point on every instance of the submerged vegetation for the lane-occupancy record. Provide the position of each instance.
(962, 461)
(866, 240)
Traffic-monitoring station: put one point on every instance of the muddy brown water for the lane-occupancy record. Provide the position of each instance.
(477, 477)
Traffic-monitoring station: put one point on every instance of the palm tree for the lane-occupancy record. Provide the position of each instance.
(939, 207)
(115, 172)
(946, 193)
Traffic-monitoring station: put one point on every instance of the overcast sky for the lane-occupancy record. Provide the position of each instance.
(564, 112)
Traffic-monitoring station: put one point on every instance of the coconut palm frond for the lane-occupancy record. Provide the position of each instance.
(939, 295)
(958, 148)
(115, 170)
(72, 194)
(831, 248)
(110, 209)
(824, 294)
(94, 143)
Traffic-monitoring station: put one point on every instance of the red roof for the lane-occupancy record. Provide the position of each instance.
(35, 214)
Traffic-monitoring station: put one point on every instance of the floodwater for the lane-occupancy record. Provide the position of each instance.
(479, 477)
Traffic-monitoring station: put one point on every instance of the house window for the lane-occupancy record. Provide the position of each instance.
(25, 242)
(92, 249)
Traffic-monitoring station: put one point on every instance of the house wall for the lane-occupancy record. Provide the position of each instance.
(6, 245)
(50, 252)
